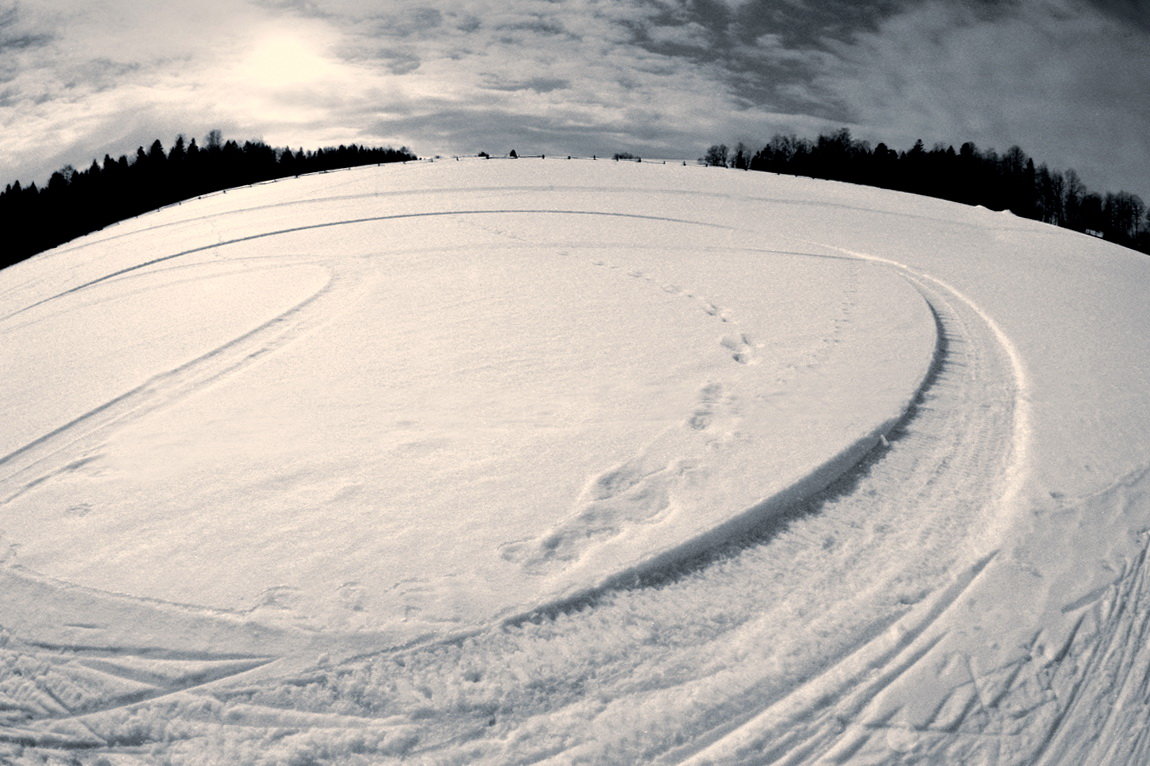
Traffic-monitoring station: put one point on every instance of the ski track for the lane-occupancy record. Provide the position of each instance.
(487, 694)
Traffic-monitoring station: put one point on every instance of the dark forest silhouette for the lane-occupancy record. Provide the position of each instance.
(77, 202)
(1010, 181)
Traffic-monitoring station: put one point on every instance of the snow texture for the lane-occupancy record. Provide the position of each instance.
(574, 461)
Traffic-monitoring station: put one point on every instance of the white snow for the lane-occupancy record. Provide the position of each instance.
(497, 461)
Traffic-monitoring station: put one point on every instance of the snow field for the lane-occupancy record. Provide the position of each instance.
(666, 387)
(475, 422)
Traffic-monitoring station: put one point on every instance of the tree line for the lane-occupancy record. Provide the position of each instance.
(76, 202)
(1009, 181)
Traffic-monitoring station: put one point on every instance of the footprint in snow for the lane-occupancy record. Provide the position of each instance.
(741, 346)
(279, 597)
(351, 595)
(704, 414)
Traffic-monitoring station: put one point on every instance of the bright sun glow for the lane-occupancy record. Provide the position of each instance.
(284, 60)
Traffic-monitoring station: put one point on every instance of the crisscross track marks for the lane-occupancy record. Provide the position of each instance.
(49, 696)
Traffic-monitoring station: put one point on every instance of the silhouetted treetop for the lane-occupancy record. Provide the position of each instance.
(1011, 181)
(78, 202)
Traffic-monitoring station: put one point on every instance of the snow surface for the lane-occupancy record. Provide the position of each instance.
(495, 461)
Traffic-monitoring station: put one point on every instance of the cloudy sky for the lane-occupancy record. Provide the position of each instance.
(1067, 80)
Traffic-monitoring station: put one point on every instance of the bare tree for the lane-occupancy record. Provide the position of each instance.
(716, 156)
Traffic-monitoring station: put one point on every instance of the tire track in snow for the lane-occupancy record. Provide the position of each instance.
(817, 719)
(345, 222)
(804, 532)
(707, 657)
(66, 448)
(923, 484)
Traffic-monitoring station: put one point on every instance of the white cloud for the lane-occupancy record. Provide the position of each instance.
(413, 67)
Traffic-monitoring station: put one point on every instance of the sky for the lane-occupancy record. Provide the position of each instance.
(1067, 80)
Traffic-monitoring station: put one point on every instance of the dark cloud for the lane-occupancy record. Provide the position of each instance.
(17, 38)
(407, 23)
(398, 62)
(536, 84)
(797, 24)
(469, 23)
(538, 25)
(102, 74)
(14, 36)
(1134, 12)
(9, 43)
(424, 18)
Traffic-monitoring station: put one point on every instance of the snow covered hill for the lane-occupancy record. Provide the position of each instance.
(511, 461)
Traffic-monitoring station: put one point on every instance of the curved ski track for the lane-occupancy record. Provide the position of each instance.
(583, 674)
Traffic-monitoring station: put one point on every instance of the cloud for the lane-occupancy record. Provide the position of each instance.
(584, 76)
(1132, 12)
(537, 84)
(305, 8)
(18, 39)
(947, 72)
(687, 37)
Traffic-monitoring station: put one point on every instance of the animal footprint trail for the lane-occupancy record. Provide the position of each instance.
(635, 492)
(742, 347)
(640, 491)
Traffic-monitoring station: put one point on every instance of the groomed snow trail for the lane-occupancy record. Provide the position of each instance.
(923, 594)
